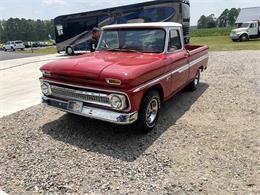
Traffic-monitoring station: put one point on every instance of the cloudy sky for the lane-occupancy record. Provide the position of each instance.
(47, 9)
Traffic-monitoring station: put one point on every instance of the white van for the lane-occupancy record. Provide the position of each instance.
(13, 45)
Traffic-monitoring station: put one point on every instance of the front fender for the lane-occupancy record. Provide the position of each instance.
(242, 33)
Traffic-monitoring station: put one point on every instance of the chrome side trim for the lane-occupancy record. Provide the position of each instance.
(192, 63)
(91, 88)
(151, 83)
(96, 113)
(180, 70)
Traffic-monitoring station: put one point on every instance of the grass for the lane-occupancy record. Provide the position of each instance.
(210, 32)
(49, 50)
(224, 43)
(218, 40)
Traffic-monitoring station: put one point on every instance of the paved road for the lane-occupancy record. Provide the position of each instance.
(15, 55)
(19, 82)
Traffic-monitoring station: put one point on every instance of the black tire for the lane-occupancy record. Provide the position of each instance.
(193, 85)
(13, 49)
(243, 37)
(5, 49)
(234, 40)
(69, 51)
(147, 119)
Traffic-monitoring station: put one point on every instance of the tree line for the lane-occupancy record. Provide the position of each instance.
(26, 29)
(226, 19)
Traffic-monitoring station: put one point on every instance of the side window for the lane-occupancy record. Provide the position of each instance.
(252, 25)
(113, 40)
(174, 41)
(110, 40)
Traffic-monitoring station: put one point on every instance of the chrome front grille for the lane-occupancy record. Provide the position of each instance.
(84, 96)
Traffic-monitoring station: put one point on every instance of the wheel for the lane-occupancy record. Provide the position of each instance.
(5, 49)
(13, 49)
(149, 112)
(69, 51)
(234, 40)
(193, 85)
(243, 37)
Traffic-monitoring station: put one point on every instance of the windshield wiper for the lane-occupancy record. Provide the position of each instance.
(123, 50)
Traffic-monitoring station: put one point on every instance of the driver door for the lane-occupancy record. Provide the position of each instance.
(253, 29)
(178, 57)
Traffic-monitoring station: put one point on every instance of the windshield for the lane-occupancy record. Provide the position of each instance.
(133, 40)
(244, 25)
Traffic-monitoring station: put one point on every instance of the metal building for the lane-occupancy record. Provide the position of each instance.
(248, 14)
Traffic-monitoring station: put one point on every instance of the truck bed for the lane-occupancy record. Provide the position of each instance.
(197, 51)
(191, 48)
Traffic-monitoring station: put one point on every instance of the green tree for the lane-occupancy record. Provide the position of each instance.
(228, 17)
(223, 18)
(232, 16)
(26, 30)
(1, 31)
(202, 22)
(211, 21)
(207, 21)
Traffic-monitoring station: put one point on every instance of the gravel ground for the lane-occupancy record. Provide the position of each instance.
(207, 142)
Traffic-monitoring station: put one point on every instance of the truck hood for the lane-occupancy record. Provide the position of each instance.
(237, 30)
(101, 65)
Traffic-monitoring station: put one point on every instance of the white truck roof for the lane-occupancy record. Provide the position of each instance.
(139, 25)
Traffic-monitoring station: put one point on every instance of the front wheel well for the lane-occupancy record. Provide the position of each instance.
(157, 88)
(243, 34)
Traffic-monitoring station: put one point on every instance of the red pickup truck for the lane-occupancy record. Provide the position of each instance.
(135, 68)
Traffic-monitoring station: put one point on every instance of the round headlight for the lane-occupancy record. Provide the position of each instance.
(116, 102)
(46, 89)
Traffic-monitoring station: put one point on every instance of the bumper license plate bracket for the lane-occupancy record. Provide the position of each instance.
(75, 106)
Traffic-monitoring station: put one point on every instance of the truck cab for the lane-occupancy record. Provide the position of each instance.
(248, 30)
(135, 68)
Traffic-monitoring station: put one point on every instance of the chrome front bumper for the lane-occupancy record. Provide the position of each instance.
(92, 112)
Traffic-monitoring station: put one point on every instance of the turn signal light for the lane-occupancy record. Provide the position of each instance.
(46, 73)
(113, 81)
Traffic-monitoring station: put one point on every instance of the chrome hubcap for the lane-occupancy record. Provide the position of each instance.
(152, 111)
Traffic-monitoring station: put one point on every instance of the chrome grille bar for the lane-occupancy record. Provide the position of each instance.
(85, 96)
